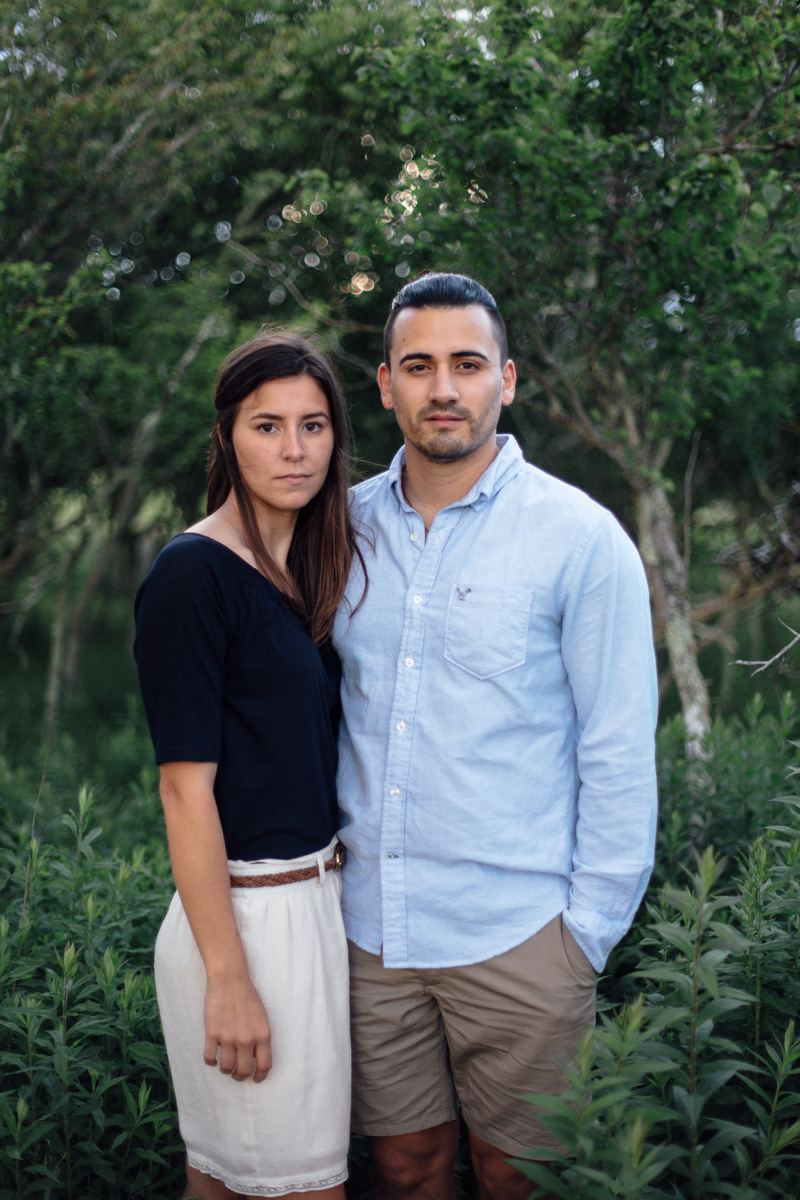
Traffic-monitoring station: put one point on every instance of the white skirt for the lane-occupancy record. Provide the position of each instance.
(289, 1133)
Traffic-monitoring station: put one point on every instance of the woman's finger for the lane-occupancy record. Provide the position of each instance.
(227, 1059)
(263, 1054)
(210, 1051)
(244, 1064)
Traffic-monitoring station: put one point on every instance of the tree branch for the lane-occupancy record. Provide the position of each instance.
(257, 260)
(354, 359)
(764, 100)
(687, 501)
(791, 143)
(762, 666)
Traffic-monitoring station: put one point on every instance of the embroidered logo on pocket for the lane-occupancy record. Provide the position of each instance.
(488, 635)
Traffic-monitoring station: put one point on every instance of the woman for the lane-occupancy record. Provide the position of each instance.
(240, 687)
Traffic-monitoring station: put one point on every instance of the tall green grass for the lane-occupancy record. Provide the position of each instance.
(689, 1086)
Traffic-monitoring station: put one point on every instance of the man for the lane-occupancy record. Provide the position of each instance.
(496, 761)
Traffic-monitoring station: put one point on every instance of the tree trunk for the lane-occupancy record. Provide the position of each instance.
(669, 588)
(142, 444)
(53, 690)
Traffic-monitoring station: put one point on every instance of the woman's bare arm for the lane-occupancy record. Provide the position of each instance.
(235, 1019)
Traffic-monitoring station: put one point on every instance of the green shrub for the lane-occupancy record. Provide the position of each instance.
(693, 1090)
(689, 1089)
(86, 1107)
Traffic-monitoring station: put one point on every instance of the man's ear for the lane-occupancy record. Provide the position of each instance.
(385, 384)
(509, 381)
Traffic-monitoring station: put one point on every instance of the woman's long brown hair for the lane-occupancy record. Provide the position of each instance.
(324, 543)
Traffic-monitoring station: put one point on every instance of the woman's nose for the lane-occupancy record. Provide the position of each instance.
(293, 445)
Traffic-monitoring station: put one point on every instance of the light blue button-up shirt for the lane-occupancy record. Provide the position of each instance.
(496, 759)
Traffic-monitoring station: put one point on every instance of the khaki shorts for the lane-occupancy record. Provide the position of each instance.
(483, 1034)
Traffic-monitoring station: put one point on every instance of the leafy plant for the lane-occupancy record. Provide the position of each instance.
(689, 1087)
(86, 1108)
(693, 1090)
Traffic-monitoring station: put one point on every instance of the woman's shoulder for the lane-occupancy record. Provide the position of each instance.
(186, 559)
(201, 556)
(195, 547)
(189, 570)
(195, 571)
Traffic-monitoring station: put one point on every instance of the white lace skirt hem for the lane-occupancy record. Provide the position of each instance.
(235, 1185)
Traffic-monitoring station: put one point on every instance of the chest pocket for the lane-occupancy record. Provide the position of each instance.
(486, 632)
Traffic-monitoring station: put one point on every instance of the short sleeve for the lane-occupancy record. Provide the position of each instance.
(183, 628)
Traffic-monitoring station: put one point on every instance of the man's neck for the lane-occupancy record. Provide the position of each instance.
(429, 486)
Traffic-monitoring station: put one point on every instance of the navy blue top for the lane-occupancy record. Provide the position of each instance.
(230, 675)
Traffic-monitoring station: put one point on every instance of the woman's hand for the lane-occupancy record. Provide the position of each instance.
(237, 1025)
(236, 1022)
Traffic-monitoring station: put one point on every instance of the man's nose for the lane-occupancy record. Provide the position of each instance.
(444, 390)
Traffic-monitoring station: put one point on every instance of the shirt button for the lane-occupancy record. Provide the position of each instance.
(395, 791)
(415, 537)
(400, 726)
(417, 598)
(409, 662)
(390, 855)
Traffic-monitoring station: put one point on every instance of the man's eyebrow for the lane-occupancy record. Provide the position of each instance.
(455, 354)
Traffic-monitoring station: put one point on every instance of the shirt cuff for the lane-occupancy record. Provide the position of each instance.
(595, 935)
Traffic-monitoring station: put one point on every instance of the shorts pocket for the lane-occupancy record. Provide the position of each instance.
(486, 632)
(578, 963)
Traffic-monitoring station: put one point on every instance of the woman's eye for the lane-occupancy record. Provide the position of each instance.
(266, 427)
(313, 426)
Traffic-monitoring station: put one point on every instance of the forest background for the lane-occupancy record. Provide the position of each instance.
(625, 178)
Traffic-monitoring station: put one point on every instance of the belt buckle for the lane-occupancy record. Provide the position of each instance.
(339, 855)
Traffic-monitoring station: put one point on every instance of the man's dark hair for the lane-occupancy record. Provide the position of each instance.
(437, 289)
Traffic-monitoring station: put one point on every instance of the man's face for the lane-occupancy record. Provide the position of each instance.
(445, 380)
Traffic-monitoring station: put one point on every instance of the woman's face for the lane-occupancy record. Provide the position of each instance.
(283, 439)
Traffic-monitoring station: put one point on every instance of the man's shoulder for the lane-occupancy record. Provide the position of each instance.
(370, 491)
(538, 490)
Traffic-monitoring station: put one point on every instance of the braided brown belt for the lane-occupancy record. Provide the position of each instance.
(256, 881)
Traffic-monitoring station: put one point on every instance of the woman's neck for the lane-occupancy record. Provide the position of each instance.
(225, 525)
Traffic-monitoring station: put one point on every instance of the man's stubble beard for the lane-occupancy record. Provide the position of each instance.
(441, 448)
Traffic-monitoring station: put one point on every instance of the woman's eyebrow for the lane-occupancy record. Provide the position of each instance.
(265, 416)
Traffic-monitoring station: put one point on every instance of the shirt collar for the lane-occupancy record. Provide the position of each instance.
(501, 470)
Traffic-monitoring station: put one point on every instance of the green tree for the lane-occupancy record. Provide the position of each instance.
(132, 139)
(625, 179)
